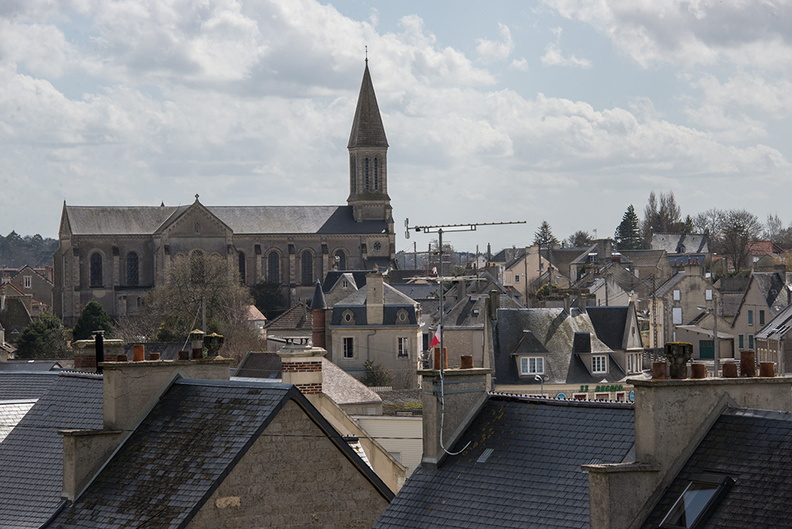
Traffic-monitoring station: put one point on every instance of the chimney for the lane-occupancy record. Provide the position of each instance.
(375, 299)
(301, 365)
(463, 392)
(318, 313)
(671, 419)
(494, 303)
(130, 391)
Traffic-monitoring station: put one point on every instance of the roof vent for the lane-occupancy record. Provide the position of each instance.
(485, 455)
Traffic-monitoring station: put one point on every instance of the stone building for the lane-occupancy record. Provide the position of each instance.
(115, 254)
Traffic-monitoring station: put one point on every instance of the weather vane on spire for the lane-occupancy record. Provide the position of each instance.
(366, 47)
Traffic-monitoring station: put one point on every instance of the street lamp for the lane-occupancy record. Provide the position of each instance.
(540, 378)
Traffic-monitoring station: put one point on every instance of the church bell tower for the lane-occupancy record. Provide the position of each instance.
(368, 158)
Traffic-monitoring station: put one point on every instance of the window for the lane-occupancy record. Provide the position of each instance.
(352, 174)
(306, 258)
(677, 295)
(516, 278)
(750, 341)
(708, 294)
(132, 269)
(531, 365)
(197, 267)
(634, 363)
(741, 341)
(696, 502)
(366, 173)
(599, 364)
(677, 315)
(348, 317)
(349, 348)
(96, 270)
(750, 317)
(242, 267)
(403, 347)
(761, 317)
(340, 259)
(28, 281)
(401, 316)
(273, 267)
(376, 173)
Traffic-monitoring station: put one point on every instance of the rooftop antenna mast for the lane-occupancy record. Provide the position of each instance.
(440, 229)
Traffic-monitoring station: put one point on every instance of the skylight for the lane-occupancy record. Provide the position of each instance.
(696, 502)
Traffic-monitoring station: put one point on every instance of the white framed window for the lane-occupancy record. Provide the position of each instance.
(677, 295)
(532, 365)
(28, 281)
(677, 315)
(403, 347)
(599, 364)
(708, 294)
(349, 348)
(634, 363)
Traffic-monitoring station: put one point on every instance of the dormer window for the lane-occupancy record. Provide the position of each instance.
(697, 502)
(348, 317)
(401, 316)
(599, 364)
(531, 365)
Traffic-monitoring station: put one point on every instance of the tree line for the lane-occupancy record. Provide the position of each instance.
(731, 231)
(17, 251)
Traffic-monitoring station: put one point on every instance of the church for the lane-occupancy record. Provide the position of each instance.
(115, 254)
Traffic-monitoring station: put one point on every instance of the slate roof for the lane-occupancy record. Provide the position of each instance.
(296, 317)
(146, 220)
(174, 460)
(25, 385)
(29, 366)
(681, 242)
(610, 324)
(778, 327)
(11, 412)
(393, 300)
(531, 478)
(755, 448)
(337, 384)
(554, 330)
(31, 457)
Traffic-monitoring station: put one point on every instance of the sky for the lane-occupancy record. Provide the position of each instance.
(512, 110)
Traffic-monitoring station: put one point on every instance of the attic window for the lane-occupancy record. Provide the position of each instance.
(348, 317)
(401, 315)
(485, 455)
(697, 502)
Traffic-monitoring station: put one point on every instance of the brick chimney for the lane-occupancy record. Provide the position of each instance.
(301, 365)
(671, 419)
(130, 391)
(450, 401)
(375, 299)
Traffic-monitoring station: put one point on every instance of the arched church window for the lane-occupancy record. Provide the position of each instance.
(242, 267)
(306, 259)
(352, 174)
(376, 173)
(340, 259)
(197, 267)
(132, 269)
(96, 269)
(366, 173)
(273, 267)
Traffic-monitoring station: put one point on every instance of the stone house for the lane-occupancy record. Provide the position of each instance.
(766, 296)
(114, 254)
(683, 295)
(774, 343)
(201, 450)
(377, 324)
(35, 282)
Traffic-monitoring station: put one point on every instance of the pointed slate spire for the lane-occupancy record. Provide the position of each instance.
(318, 302)
(367, 129)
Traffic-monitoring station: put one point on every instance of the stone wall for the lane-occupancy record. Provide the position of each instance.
(292, 477)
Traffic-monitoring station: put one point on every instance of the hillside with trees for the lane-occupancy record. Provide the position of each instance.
(33, 250)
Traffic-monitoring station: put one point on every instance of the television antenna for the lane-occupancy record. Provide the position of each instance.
(440, 229)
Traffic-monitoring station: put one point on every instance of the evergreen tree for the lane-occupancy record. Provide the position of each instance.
(628, 233)
(92, 318)
(544, 237)
(45, 337)
(579, 239)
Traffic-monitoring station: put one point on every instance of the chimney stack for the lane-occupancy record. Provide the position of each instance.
(301, 365)
(450, 402)
(375, 299)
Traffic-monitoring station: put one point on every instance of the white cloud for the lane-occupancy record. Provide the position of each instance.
(554, 57)
(520, 64)
(492, 50)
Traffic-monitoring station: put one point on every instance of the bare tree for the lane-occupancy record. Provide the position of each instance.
(740, 229)
(665, 217)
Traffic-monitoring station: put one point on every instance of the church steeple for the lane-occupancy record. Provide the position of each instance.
(368, 158)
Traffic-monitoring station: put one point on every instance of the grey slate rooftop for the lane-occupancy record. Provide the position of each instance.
(753, 447)
(31, 473)
(25, 385)
(196, 433)
(521, 469)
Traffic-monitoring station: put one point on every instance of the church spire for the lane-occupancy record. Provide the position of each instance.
(367, 129)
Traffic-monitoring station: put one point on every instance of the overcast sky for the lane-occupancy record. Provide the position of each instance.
(559, 110)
